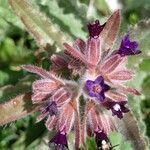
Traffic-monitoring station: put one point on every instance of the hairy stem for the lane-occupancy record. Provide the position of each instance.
(77, 127)
(83, 128)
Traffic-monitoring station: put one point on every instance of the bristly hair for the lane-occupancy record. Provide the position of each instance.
(101, 84)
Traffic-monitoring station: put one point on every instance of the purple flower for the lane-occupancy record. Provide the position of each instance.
(51, 109)
(128, 47)
(117, 108)
(59, 98)
(102, 140)
(97, 88)
(60, 140)
(95, 29)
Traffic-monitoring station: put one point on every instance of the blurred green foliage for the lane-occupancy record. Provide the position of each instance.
(18, 47)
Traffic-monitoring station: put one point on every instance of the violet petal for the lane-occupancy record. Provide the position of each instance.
(128, 47)
(97, 88)
(51, 108)
(95, 29)
(100, 138)
(99, 80)
(117, 108)
(60, 140)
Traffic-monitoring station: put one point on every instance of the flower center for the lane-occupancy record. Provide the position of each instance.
(104, 142)
(116, 107)
(97, 88)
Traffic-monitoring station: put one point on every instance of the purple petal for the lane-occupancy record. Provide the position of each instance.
(137, 52)
(99, 80)
(124, 109)
(95, 29)
(97, 88)
(119, 114)
(126, 39)
(117, 108)
(100, 137)
(128, 47)
(93, 94)
(60, 139)
(122, 103)
(134, 45)
(89, 85)
(105, 87)
(101, 96)
(51, 108)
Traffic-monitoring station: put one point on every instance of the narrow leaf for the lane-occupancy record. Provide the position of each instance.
(64, 11)
(16, 108)
(116, 96)
(23, 86)
(44, 85)
(121, 75)
(102, 6)
(94, 51)
(110, 30)
(129, 128)
(75, 53)
(130, 90)
(38, 25)
(39, 71)
(112, 63)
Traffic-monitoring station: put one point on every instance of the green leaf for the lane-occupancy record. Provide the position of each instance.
(16, 108)
(7, 17)
(90, 142)
(4, 77)
(38, 129)
(146, 114)
(145, 65)
(128, 127)
(9, 91)
(38, 25)
(146, 87)
(74, 6)
(13, 54)
(138, 79)
(7, 50)
(118, 140)
(102, 6)
(69, 15)
(132, 7)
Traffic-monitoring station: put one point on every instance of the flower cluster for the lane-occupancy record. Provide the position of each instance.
(101, 83)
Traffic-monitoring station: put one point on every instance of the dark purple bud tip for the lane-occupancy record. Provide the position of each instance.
(60, 140)
(128, 47)
(51, 108)
(95, 29)
(117, 108)
(97, 88)
(102, 140)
